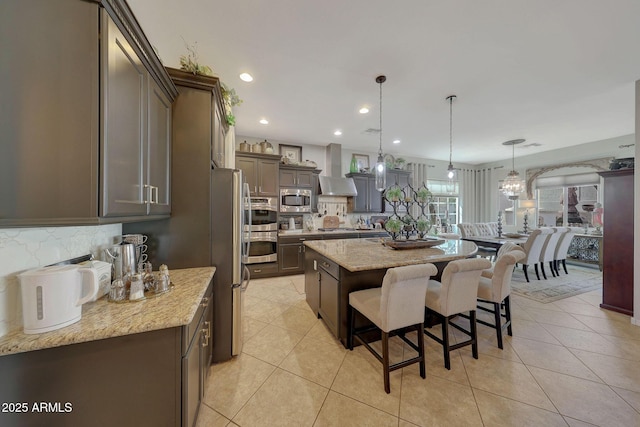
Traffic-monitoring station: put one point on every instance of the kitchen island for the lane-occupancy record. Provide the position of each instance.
(137, 363)
(334, 268)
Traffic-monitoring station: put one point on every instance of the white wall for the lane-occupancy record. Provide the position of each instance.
(22, 249)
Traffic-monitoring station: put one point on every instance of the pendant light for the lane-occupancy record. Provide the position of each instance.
(381, 172)
(513, 186)
(451, 172)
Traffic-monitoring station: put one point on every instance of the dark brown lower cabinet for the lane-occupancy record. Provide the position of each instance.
(153, 378)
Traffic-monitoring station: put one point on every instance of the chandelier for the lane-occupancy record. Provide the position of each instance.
(380, 171)
(451, 172)
(513, 186)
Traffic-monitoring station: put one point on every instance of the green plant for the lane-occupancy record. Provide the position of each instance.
(230, 99)
(394, 194)
(393, 225)
(423, 195)
(189, 62)
(423, 225)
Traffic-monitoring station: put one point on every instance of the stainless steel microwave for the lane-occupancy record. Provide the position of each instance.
(295, 200)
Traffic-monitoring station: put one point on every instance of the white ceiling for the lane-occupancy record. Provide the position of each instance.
(555, 72)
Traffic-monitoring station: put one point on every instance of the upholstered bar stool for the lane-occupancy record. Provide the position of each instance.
(455, 294)
(495, 289)
(395, 307)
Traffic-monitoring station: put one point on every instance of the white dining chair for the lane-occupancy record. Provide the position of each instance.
(533, 248)
(563, 248)
(548, 252)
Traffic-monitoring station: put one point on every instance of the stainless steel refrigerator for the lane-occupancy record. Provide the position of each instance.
(230, 204)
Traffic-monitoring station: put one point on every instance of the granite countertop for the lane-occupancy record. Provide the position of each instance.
(289, 233)
(371, 254)
(103, 319)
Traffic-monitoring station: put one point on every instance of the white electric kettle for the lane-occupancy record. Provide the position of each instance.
(52, 297)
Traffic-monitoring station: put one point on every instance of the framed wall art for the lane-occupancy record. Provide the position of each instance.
(362, 160)
(291, 152)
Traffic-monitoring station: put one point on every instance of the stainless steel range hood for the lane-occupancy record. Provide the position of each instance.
(332, 186)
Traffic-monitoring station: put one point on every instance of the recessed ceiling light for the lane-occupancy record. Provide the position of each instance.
(396, 141)
(246, 77)
(264, 121)
(337, 132)
(364, 110)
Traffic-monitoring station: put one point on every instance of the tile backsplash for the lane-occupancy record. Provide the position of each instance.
(22, 249)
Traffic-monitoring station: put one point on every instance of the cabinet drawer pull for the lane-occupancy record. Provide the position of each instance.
(257, 270)
(326, 264)
(205, 301)
(206, 334)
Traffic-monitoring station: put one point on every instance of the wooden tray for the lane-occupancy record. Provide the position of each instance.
(513, 235)
(413, 244)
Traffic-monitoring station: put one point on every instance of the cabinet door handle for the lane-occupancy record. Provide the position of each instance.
(147, 196)
(206, 334)
(205, 301)
(299, 249)
(260, 189)
(255, 188)
(156, 191)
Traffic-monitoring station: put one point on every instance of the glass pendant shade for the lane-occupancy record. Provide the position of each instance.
(513, 186)
(381, 174)
(381, 170)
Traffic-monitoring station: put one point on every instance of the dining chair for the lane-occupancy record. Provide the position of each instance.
(533, 248)
(395, 307)
(494, 228)
(483, 229)
(467, 229)
(495, 289)
(456, 293)
(561, 231)
(548, 252)
(563, 247)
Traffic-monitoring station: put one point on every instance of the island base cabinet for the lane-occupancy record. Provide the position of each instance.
(329, 287)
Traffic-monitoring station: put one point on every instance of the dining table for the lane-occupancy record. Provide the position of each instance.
(496, 242)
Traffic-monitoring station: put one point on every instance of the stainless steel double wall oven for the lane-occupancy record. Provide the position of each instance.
(261, 230)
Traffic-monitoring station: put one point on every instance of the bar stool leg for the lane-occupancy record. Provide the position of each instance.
(474, 333)
(445, 342)
(385, 361)
(423, 370)
(497, 319)
(507, 312)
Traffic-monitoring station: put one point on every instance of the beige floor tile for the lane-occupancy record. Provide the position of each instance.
(498, 411)
(554, 317)
(207, 417)
(572, 422)
(232, 383)
(303, 305)
(272, 344)
(283, 400)
(435, 364)
(611, 326)
(586, 400)
(315, 360)
(251, 327)
(613, 370)
(264, 310)
(360, 378)
(590, 341)
(437, 402)
(489, 345)
(288, 296)
(525, 303)
(298, 283)
(507, 379)
(342, 411)
(631, 397)
(296, 319)
(553, 357)
(629, 349)
(321, 331)
(532, 330)
(403, 423)
(581, 307)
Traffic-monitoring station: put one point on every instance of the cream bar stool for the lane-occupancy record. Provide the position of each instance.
(455, 294)
(496, 290)
(396, 306)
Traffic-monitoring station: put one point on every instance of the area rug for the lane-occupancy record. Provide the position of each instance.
(578, 281)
